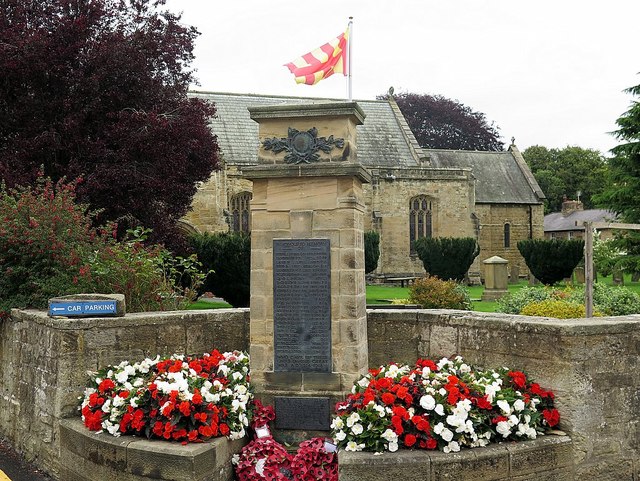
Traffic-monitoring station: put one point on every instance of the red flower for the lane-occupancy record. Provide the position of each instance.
(224, 429)
(388, 398)
(409, 440)
(518, 378)
(552, 416)
(105, 385)
(483, 402)
(185, 408)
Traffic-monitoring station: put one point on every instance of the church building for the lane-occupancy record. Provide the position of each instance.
(414, 192)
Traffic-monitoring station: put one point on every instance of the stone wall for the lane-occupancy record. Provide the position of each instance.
(452, 195)
(591, 364)
(525, 221)
(44, 363)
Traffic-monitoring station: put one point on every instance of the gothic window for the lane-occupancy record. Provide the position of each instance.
(420, 220)
(507, 235)
(239, 210)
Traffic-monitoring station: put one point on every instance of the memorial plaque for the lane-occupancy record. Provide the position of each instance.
(302, 305)
(311, 413)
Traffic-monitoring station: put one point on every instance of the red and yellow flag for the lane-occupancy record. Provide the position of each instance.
(321, 62)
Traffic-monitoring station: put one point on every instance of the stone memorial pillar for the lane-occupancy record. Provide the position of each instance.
(514, 274)
(496, 278)
(308, 300)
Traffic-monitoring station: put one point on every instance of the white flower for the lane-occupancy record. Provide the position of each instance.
(518, 405)
(357, 429)
(352, 419)
(364, 382)
(353, 446)
(465, 368)
(503, 428)
(235, 459)
(392, 447)
(337, 423)
(340, 435)
(428, 402)
(438, 428)
(390, 436)
(504, 407)
(442, 391)
(439, 410)
(452, 447)
(446, 434)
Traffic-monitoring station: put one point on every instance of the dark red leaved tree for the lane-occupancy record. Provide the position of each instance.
(441, 123)
(98, 89)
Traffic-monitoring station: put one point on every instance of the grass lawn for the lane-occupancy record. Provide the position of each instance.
(382, 294)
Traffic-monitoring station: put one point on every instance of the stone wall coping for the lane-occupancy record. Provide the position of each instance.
(130, 319)
(101, 456)
(543, 458)
(322, 109)
(532, 324)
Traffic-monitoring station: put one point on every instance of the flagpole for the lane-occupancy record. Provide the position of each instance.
(349, 62)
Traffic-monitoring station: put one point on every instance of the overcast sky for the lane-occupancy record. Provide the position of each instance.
(547, 72)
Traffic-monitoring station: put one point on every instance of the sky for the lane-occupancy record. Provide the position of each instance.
(546, 72)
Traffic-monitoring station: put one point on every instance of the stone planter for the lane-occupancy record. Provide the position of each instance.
(87, 456)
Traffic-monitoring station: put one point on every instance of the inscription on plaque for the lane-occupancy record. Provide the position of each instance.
(303, 413)
(302, 305)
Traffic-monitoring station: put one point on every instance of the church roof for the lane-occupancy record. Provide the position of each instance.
(381, 140)
(384, 141)
(501, 177)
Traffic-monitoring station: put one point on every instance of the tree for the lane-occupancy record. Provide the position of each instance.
(441, 123)
(623, 191)
(552, 260)
(571, 171)
(226, 256)
(448, 258)
(371, 251)
(98, 89)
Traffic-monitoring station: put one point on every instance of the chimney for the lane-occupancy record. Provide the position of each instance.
(570, 206)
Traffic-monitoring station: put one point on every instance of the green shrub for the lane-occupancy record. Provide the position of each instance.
(150, 278)
(550, 261)
(433, 293)
(447, 257)
(48, 249)
(514, 303)
(227, 257)
(44, 238)
(560, 309)
(371, 251)
(611, 300)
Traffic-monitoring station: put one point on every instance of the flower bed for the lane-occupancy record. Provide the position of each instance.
(180, 398)
(443, 406)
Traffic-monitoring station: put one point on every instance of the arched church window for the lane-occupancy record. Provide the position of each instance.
(239, 210)
(420, 220)
(507, 235)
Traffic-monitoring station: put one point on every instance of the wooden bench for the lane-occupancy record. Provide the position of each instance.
(401, 280)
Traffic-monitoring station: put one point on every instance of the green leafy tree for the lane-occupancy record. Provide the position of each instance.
(371, 251)
(623, 190)
(552, 260)
(448, 258)
(571, 171)
(227, 258)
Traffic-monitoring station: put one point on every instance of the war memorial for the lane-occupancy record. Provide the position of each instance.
(310, 336)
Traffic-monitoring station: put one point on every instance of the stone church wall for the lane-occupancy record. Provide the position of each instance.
(525, 221)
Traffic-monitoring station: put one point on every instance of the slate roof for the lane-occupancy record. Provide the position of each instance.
(381, 141)
(500, 176)
(384, 141)
(557, 222)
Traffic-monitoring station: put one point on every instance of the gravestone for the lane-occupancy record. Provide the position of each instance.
(308, 315)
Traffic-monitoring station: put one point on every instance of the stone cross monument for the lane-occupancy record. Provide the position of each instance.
(308, 312)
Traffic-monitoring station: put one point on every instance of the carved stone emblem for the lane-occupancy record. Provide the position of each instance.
(302, 147)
